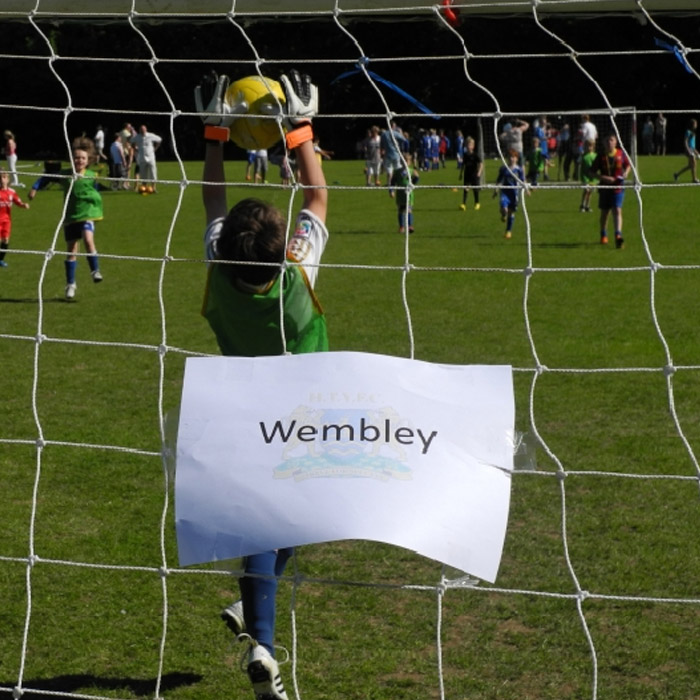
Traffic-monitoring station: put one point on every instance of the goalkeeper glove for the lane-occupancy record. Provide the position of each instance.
(218, 115)
(301, 105)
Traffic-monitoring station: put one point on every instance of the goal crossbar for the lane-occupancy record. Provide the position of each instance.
(277, 8)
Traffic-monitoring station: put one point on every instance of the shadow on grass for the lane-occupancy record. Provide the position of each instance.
(74, 682)
(34, 300)
(563, 244)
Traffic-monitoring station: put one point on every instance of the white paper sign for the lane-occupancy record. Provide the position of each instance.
(283, 451)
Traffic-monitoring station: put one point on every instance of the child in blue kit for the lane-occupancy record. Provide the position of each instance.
(510, 178)
(242, 306)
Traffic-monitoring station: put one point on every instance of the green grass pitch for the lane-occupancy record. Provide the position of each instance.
(598, 321)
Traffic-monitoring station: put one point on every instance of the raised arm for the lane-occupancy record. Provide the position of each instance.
(214, 187)
(301, 105)
(311, 175)
(217, 117)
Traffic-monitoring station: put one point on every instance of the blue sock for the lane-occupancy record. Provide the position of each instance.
(511, 219)
(283, 556)
(258, 595)
(70, 271)
(92, 262)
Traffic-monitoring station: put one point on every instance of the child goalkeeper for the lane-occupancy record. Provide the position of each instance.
(242, 306)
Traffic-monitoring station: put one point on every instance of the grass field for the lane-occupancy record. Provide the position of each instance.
(598, 592)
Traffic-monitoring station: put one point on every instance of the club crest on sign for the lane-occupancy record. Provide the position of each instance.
(343, 443)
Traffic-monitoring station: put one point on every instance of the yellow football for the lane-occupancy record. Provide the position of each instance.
(256, 128)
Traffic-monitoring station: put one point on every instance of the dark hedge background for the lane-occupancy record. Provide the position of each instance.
(121, 87)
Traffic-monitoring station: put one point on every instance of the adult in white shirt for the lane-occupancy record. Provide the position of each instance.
(146, 145)
(100, 143)
(589, 132)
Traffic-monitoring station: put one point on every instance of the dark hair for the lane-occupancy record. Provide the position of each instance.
(253, 231)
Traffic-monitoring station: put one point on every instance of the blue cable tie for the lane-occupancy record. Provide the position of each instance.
(363, 62)
(674, 49)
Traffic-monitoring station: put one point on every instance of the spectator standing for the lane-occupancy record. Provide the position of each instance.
(589, 131)
(119, 170)
(373, 156)
(11, 158)
(434, 150)
(660, 134)
(100, 143)
(512, 138)
(261, 166)
(392, 143)
(691, 153)
(249, 164)
(459, 148)
(564, 151)
(648, 137)
(146, 144)
(126, 134)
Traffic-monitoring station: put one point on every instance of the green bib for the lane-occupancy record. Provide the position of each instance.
(248, 325)
(85, 202)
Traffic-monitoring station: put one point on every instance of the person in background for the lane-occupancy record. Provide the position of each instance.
(587, 176)
(510, 179)
(100, 143)
(660, 134)
(611, 166)
(11, 158)
(691, 153)
(402, 181)
(83, 209)
(471, 171)
(119, 169)
(146, 144)
(8, 199)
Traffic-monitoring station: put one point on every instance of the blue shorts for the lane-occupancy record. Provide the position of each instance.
(509, 200)
(609, 199)
(75, 230)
